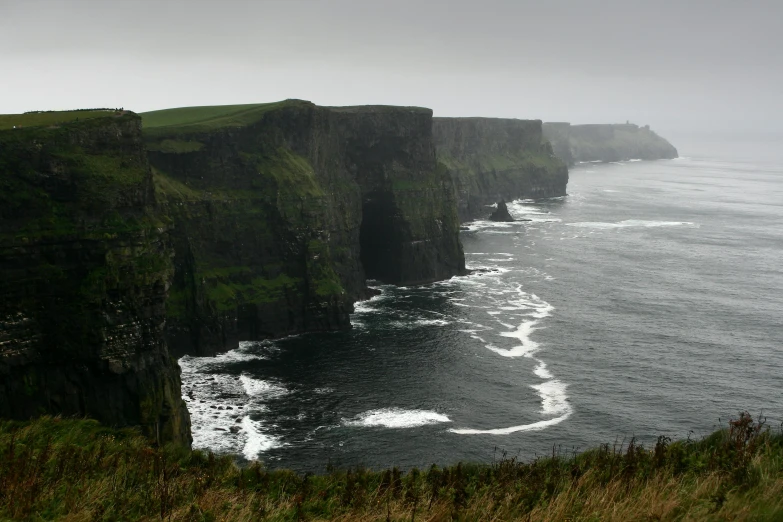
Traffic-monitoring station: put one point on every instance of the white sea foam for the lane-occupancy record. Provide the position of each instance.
(513, 302)
(256, 441)
(554, 400)
(219, 403)
(432, 322)
(628, 223)
(396, 418)
(482, 271)
(534, 426)
(488, 254)
(541, 370)
(258, 388)
(367, 306)
(489, 226)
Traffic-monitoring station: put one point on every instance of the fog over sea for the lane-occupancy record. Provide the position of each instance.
(649, 301)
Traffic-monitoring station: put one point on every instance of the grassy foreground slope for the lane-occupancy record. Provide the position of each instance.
(78, 470)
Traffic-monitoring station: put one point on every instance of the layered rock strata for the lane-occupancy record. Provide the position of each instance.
(85, 265)
(492, 159)
(280, 214)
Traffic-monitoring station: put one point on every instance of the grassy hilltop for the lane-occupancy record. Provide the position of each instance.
(186, 120)
(49, 118)
(78, 470)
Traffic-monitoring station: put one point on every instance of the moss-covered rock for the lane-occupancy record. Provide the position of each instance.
(282, 211)
(85, 265)
(492, 159)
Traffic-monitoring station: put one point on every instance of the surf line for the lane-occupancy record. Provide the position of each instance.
(554, 400)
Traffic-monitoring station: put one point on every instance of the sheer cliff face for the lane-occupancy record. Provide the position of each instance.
(279, 219)
(493, 159)
(84, 272)
(409, 232)
(607, 142)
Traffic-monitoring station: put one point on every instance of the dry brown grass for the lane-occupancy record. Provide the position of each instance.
(78, 471)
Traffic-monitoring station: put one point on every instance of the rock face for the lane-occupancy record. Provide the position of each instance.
(492, 159)
(85, 264)
(501, 213)
(281, 212)
(606, 142)
(253, 222)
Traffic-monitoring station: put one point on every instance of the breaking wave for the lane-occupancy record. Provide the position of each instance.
(396, 418)
(628, 223)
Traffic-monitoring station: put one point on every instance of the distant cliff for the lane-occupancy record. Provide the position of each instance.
(85, 265)
(606, 142)
(492, 159)
(280, 212)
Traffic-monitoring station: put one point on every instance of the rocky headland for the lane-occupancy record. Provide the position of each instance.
(606, 142)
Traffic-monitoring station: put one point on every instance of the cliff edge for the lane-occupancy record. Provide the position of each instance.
(281, 212)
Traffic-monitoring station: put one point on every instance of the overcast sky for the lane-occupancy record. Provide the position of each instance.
(685, 65)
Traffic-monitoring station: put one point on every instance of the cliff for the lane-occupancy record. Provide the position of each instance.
(492, 159)
(281, 212)
(606, 142)
(254, 221)
(85, 265)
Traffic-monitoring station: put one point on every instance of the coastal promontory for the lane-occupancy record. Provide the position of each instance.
(606, 142)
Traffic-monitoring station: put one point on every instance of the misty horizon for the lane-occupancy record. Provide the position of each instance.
(706, 67)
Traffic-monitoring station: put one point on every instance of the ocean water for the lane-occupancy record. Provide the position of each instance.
(647, 302)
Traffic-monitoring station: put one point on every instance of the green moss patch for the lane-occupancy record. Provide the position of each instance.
(227, 294)
(324, 280)
(175, 146)
(292, 174)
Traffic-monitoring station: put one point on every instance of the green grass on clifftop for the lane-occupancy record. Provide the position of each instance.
(40, 119)
(55, 469)
(186, 120)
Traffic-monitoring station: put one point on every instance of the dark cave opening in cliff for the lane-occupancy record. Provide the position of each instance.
(379, 238)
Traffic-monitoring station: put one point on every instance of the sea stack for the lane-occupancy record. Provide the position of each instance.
(501, 213)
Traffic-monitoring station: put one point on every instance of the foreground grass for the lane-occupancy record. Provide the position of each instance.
(78, 470)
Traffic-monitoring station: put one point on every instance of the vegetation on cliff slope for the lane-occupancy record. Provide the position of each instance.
(53, 468)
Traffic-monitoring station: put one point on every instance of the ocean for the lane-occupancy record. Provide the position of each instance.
(647, 302)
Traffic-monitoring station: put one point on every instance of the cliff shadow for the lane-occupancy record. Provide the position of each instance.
(379, 241)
